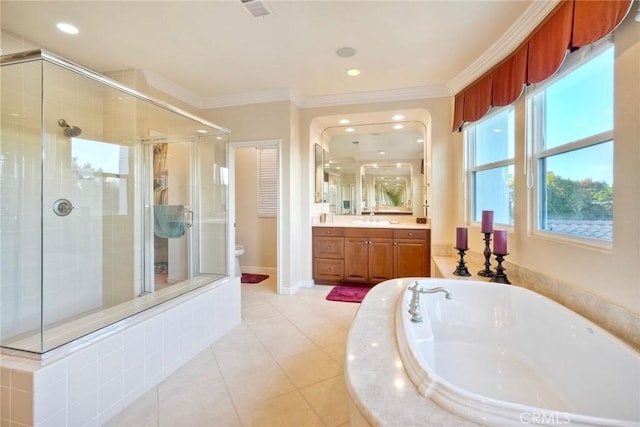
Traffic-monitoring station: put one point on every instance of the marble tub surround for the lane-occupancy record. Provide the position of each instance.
(615, 319)
(381, 392)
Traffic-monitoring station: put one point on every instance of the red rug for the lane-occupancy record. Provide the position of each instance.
(348, 293)
(253, 278)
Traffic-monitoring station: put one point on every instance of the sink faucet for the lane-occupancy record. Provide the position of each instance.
(414, 305)
(371, 215)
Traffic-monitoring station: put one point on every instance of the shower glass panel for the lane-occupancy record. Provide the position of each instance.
(78, 218)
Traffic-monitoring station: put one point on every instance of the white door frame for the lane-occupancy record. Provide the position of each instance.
(233, 146)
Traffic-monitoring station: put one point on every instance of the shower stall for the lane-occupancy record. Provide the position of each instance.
(111, 202)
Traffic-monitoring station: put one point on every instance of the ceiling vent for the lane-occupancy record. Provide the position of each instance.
(256, 8)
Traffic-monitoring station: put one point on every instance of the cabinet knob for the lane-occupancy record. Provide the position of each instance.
(328, 247)
(410, 234)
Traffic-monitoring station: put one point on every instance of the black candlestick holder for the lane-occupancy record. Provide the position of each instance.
(461, 269)
(487, 272)
(500, 276)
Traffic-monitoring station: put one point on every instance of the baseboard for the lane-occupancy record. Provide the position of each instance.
(270, 271)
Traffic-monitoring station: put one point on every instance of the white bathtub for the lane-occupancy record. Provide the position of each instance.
(503, 355)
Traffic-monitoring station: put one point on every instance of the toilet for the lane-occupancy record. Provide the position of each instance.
(239, 253)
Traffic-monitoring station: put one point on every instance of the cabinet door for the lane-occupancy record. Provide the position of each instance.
(356, 250)
(412, 253)
(380, 260)
(410, 258)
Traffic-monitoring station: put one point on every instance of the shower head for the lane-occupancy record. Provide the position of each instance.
(69, 131)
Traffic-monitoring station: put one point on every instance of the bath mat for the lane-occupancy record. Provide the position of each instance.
(348, 293)
(253, 278)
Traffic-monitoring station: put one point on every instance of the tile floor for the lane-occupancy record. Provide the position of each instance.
(282, 366)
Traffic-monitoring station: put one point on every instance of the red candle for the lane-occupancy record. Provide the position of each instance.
(500, 242)
(461, 238)
(487, 221)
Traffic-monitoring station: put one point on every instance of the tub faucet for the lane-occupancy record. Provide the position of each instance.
(414, 305)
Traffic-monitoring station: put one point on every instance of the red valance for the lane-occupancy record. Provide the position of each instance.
(594, 19)
(573, 24)
(548, 45)
(477, 99)
(510, 77)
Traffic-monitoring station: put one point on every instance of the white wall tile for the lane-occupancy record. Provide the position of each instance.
(49, 399)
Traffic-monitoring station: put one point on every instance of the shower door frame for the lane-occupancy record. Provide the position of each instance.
(193, 198)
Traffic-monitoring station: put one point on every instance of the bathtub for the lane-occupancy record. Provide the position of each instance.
(503, 355)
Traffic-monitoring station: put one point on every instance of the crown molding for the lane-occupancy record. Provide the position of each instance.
(507, 43)
(164, 85)
(389, 95)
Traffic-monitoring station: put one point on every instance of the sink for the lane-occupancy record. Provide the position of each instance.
(371, 223)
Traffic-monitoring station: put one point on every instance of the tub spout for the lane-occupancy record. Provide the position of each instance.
(447, 294)
(414, 305)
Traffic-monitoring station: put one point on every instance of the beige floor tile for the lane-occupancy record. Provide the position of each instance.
(201, 369)
(246, 364)
(329, 399)
(258, 312)
(141, 413)
(309, 368)
(198, 404)
(288, 410)
(248, 391)
(336, 352)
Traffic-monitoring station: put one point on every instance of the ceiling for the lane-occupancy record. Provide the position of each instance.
(212, 53)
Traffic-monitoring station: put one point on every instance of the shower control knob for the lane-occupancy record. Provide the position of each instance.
(62, 207)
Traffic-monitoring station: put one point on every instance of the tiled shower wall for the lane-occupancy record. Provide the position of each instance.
(86, 259)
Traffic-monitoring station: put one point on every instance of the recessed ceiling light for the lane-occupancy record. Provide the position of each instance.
(397, 117)
(344, 121)
(67, 28)
(398, 126)
(346, 52)
(349, 130)
(420, 141)
(202, 131)
(219, 138)
(380, 152)
(353, 72)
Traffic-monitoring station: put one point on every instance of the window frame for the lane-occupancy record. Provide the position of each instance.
(536, 151)
(471, 169)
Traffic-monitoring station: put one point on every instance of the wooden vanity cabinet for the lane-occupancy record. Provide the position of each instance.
(368, 254)
(411, 253)
(360, 255)
(328, 254)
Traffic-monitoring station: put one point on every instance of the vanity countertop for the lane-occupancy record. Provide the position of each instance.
(365, 223)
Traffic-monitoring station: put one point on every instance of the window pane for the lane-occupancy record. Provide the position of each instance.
(578, 200)
(493, 189)
(581, 103)
(494, 138)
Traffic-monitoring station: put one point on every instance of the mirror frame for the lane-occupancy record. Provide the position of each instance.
(318, 171)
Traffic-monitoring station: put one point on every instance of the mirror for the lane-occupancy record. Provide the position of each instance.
(374, 168)
(319, 173)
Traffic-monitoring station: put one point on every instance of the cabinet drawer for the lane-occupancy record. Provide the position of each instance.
(410, 234)
(380, 233)
(328, 247)
(328, 231)
(328, 269)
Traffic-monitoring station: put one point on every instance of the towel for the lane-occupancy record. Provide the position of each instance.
(169, 220)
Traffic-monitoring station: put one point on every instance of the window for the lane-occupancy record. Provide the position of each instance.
(267, 182)
(490, 154)
(572, 119)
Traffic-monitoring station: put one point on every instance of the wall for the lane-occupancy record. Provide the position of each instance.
(612, 274)
(271, 121)
(258, 235)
